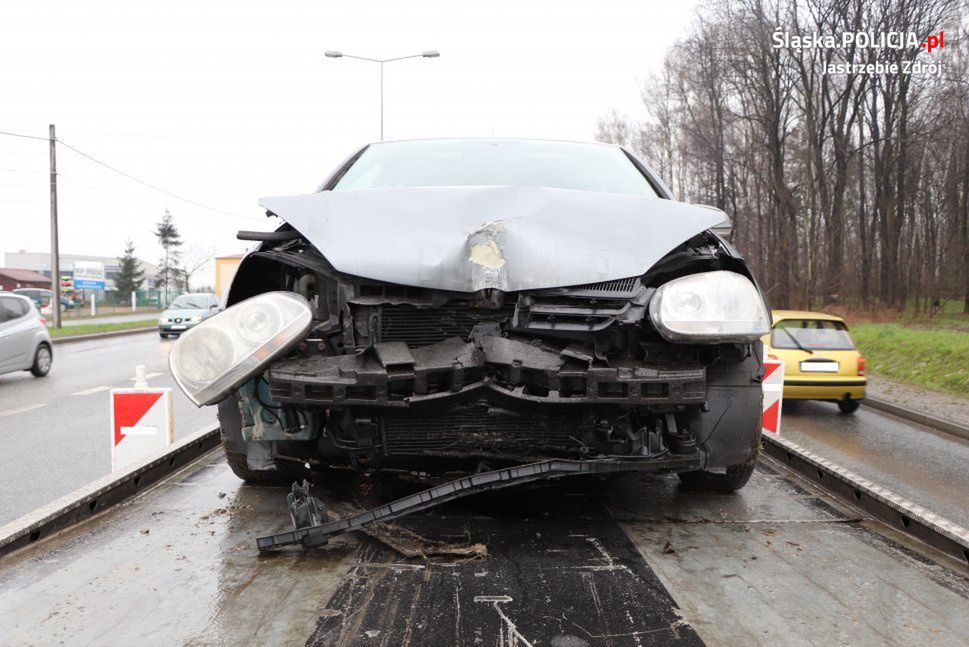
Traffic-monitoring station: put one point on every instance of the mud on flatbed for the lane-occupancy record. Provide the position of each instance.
(629, 560)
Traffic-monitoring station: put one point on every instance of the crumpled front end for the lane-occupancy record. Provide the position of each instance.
(392, 373)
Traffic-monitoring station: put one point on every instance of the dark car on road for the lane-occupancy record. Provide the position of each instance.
(448, 304)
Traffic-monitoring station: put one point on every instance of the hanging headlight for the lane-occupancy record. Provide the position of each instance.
(709, 307)
(230, 347)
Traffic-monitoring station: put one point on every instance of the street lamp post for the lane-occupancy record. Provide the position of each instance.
(433, 53)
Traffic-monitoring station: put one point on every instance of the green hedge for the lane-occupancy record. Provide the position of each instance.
(931, 358)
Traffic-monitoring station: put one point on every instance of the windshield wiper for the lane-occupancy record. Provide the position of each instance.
(796, 342)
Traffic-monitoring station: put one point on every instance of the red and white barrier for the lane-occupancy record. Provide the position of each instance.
(773, 386)
(141, 423)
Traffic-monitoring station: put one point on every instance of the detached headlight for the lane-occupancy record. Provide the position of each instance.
(230, 347)
(709, 307)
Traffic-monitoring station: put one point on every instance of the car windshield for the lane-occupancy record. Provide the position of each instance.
(811, 334)
(189, 301)
(469, 162)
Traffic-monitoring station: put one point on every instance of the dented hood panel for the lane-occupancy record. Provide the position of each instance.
(509, 238)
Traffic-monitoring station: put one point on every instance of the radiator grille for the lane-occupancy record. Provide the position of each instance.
(487, 430)
(425, 326)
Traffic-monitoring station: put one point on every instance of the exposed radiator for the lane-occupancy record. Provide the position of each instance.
(485, 429)
(425, 326)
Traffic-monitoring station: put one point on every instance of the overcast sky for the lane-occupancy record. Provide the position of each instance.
(226, 102)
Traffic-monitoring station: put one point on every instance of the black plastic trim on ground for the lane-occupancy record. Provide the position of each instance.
(894, 511)
(318, 535)
(106, 492)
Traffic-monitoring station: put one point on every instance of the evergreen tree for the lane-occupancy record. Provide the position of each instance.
(170, 240)
(130, 275)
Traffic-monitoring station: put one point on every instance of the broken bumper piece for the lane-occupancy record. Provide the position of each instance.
(319, 534)
(508, 371)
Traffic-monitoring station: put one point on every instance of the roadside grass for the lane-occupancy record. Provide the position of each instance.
(88, 329)
(920, 353)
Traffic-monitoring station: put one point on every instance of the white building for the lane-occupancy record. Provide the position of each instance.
(40, 262)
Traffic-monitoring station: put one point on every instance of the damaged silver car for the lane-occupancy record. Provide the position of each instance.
(447, 304)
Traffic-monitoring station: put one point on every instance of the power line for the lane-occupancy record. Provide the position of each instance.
(3, 132)
(152, 186)
(132, 177)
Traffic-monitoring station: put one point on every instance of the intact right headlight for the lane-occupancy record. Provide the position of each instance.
(709, 307)
(230, 347)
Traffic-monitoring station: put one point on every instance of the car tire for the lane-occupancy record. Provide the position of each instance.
(848, 406)
(163, 335)
(230, 430)
(43, 359)
(731, 480)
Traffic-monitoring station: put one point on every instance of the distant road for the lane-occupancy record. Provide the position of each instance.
(54, 431)
(922, 465)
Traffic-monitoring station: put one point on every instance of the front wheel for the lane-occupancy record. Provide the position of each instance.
(730, 480)
(42, 361)
(237, 449)
(848, 406)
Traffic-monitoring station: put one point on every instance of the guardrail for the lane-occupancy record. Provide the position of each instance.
(939, 424)
(107, 491)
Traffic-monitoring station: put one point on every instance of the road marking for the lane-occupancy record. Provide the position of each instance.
(148, 376)
(29, 407)
(96, 389)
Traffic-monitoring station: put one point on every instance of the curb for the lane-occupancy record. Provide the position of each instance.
(939, 424)
(57, 341)
(106, 492)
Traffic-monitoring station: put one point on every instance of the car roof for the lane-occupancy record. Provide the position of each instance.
(494, 139)
(803, 314)
(4, 293)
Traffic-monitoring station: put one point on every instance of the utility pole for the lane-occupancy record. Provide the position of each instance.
(55, 261)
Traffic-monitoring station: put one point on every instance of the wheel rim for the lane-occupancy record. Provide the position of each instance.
(43, 359)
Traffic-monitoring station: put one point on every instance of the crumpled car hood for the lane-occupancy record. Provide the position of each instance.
(508, 238)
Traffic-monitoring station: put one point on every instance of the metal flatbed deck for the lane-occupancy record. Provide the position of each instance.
(632, 560)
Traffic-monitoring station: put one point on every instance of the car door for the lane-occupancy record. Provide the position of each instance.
(16, 334)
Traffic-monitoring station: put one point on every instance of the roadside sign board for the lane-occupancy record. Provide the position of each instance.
(88, 275)
(773, 385)
(141, 423)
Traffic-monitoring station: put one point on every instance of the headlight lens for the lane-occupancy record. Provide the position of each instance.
(162, 319)
(230, 347)
(709, 307)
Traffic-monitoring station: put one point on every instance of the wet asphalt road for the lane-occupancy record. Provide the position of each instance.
(55, 431)
(925, 466)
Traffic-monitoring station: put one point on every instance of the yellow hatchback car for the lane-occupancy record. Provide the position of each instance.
(820, 360)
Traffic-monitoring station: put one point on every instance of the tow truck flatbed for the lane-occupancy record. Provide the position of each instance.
(631, 560)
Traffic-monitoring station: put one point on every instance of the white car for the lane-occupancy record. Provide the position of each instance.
(24, 340)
